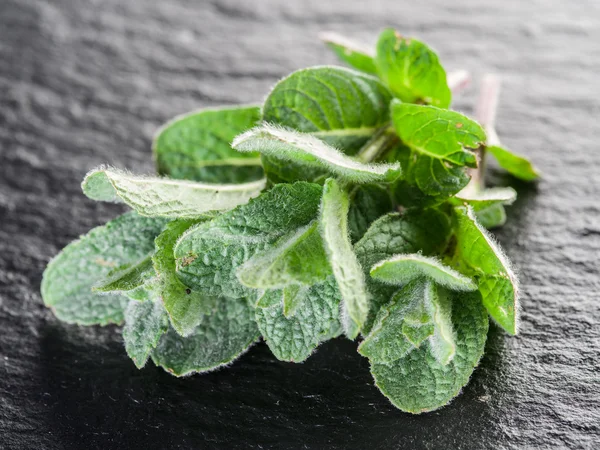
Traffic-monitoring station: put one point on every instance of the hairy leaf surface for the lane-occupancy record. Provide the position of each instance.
(516, 165)
(488, 204)
(196, 146)
(161, 197)
(302, 149)
(419, 382)
(315, 320)
(480, 256)
(145, 323)
(346, 269)
(350, 52)
(220, 338)
(209, 254)
(411, 70)
(69, 277)
(368, 202)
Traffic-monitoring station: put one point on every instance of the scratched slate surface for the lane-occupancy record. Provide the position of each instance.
(87, 82)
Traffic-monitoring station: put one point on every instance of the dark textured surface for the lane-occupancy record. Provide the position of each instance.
(87, 82)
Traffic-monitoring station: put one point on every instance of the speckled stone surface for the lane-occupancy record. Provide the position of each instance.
(87, 82)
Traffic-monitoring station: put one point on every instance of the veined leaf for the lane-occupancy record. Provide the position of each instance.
(209, 254)
(368, 202)
(411, 70)
(346, 269)
(127, 278)
(516, 165)
(340, 106)
(69, 277)
(297, 258)
(488, 204)
(426, 231)
(160, 197)
(293, 296)
(185, 306)
(402, 269)
(315, 320)
(479, 256)
(145, 323)
(220, 338)
(196, 146)
(350, 52)
(419, 382)
(305, 150)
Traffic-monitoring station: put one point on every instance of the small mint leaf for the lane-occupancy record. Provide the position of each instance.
(69, 277)
(478, 255)
(418, 382)
(346, 269)
(128, 278)
(295, 258)
(516, 165)
(196, 146)
(401, 269)
(293, 296)
(208, 255)
(185, 306)
(488, 204)
(411, 70)
(302, 149)
(315, 320)
(145, 323)
(351, 53)
(160, 197)
(220, 338)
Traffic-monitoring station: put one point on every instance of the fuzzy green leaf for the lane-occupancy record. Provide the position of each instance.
(297, 258)
(368, 202)
(419, 382)
(68, 279)
(145, 323)
(315, 320)
(478, 255)
(160, 197)
(302, 149)
(411, 70)
(340, 106)
(516, 165)
(127, 278)
(351, 53)
(293, 296)
(185, 306)
(346, 269)
(196, 146)
(488, 204)
(402, 269)
(209, 254)
(220, 338)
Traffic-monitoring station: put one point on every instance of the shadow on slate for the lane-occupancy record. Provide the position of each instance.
(85, 83)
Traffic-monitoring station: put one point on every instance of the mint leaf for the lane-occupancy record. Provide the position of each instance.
(160, 197)
(488, 204)
(417, 382)
(351, 53)
(368, 202)
(220, 338)
(145, 323)
(315, 320)
(209, 254)
(491, 217)
(184, 306)
(411, 70)
(401, 269)
(305, 150)
(293, 296)
(297, 258)
(516, 165)
(340, 106)
(67, 281)
(478, 255)
(127, 278)
(439, 141)
(346, 269)
(196, 146)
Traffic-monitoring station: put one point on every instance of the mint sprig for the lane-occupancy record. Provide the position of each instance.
(353, 201)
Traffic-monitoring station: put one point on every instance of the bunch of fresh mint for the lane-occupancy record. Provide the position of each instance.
(351, 202)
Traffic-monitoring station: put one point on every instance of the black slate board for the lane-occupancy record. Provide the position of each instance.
(87, 82)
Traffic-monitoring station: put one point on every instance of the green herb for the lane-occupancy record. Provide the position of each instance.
(371, 222)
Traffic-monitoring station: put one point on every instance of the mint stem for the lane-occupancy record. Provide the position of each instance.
(383, 139)
(458, 81)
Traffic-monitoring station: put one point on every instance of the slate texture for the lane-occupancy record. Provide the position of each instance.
(87, 82)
